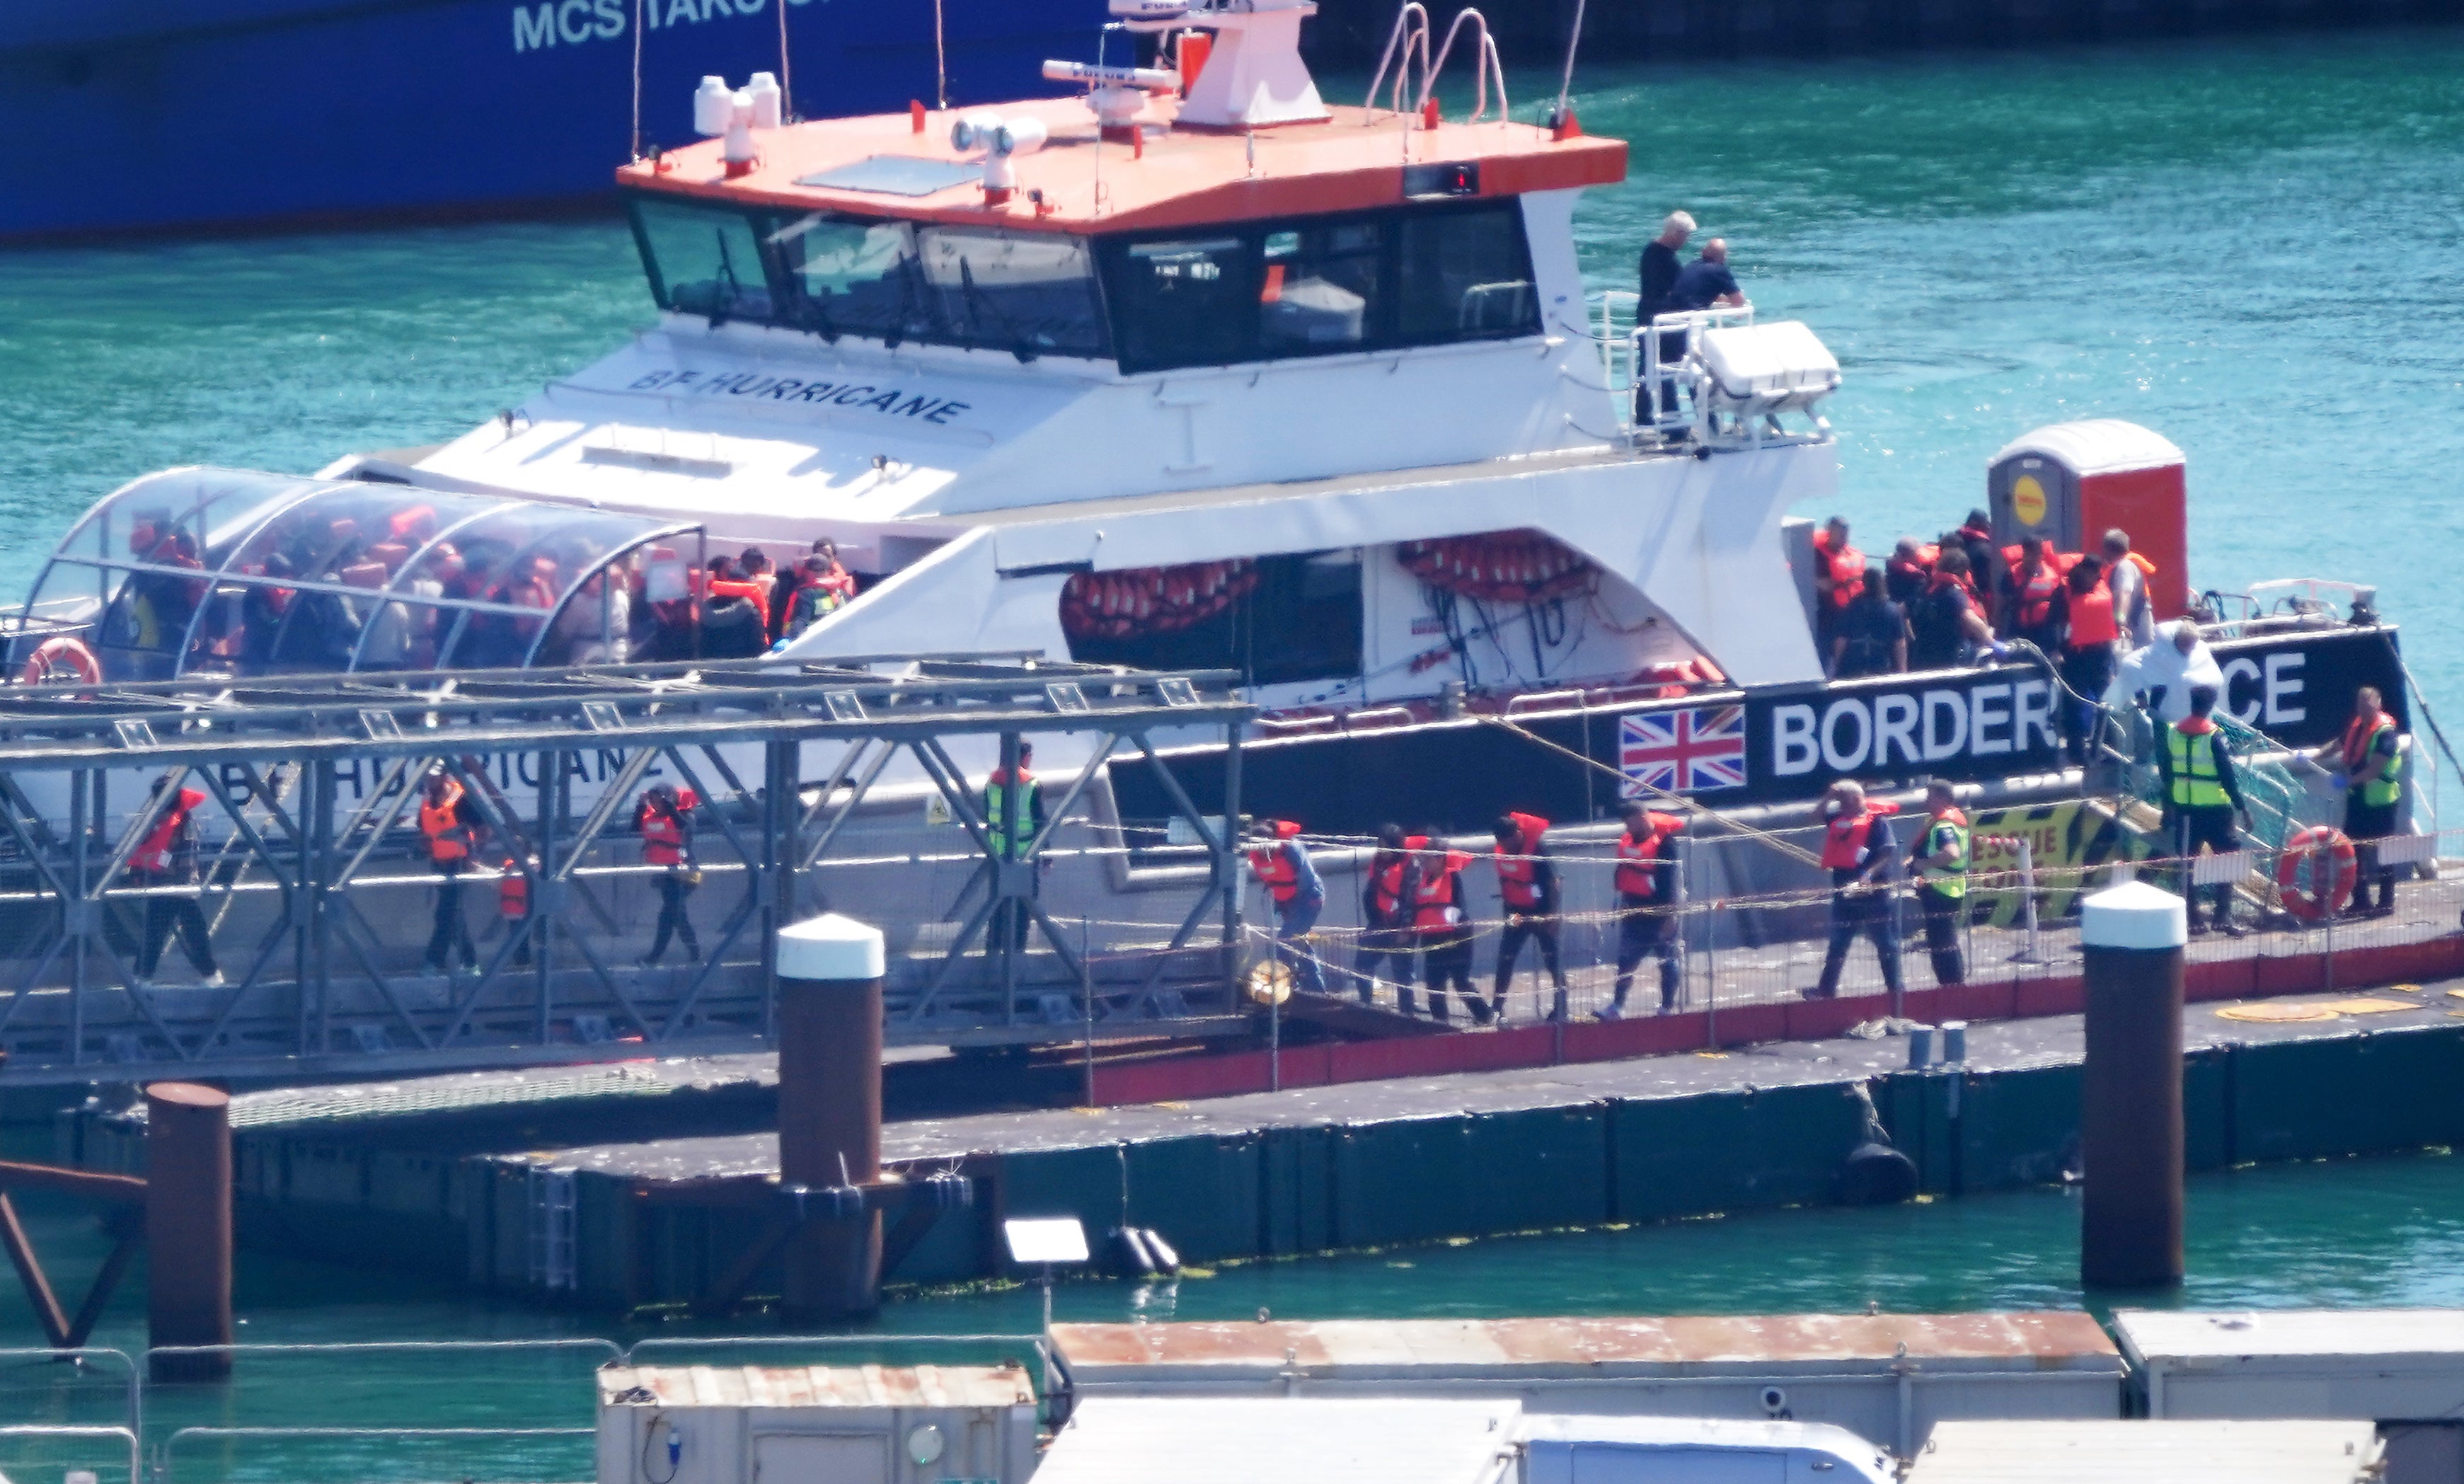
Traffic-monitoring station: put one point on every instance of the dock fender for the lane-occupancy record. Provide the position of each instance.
(1875, 1172)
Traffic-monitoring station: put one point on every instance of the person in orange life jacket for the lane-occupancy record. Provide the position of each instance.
(664, 819)
(1441, 926)
(1985, 567)
(2369, 765)
(1945, 619)
(514, 907)
(1909, 569)
(1646, 895)
(447, 834)
(1858, 852)
(1282, 863)
(167, 858)
(1938, 858)
(2126, 574)
(1838, 576)
(2202, 797)
(2032, 606)
(1527, 878)
(2087, 657)
(1386, 938)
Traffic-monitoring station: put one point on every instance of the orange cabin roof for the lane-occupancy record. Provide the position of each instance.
(1185, 177)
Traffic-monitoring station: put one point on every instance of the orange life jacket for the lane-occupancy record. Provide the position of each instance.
(2359, 734)
(153, 854)
(1518, 872)
(1433, 895)
(662, 833)
(1844, 840)
(1847, 570)
(2092, 619)
(2035, 607)
(447, 837)
(1637, 873)
(513, 891)
(1274, 866)
(1388, 892)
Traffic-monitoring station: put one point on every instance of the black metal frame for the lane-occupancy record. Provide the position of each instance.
(311, 782)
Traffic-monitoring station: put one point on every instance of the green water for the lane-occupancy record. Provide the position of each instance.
(2387, 1232)
(2251, 247)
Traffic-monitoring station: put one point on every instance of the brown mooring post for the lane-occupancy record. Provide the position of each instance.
(188, 1227)
(829, 1110)
(2130, 1089)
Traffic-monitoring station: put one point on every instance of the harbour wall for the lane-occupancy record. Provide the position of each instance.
(1349, 35)
(1345, 1168)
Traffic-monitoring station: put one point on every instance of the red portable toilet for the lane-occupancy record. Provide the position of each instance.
(2070, 482)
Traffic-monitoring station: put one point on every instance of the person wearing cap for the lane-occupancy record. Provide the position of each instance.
(1282, 864)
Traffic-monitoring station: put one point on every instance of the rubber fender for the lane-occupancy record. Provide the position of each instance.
(841, 1203)
(1876, 1175)
(1166, 1257)
(949, 1192)
(1130, 1254)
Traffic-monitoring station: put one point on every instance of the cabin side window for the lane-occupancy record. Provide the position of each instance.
(1416, 276)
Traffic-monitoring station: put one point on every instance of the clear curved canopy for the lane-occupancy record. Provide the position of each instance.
(230, 571)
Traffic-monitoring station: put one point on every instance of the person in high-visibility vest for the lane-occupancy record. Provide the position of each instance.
(2202, 798)
(1442, 926)
(2369, 765)
(165, 860)
(1527, 878)
(1385, 927)
(447, 836)
(664, 819)
(1939, 856)
(1646, 895)
(1011, 916)
(1858, 852)
(1282, 864)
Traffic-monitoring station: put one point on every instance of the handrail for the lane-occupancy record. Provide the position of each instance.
(1485, 64)
(47, 1429)
(1403, 36)
(81, 1354)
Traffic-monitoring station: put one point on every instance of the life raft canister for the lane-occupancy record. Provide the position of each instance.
(2315, 875)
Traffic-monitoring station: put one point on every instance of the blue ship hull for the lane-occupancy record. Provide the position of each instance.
(152, 115)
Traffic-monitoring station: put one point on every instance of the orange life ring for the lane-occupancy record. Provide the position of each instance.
(57, 651)
(2315, 875)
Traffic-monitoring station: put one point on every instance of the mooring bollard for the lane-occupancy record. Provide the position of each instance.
(830, 1111)
(189, 1228)
(2130, 1088)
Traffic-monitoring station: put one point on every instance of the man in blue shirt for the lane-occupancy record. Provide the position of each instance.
(1282, 862)
(1706, 281)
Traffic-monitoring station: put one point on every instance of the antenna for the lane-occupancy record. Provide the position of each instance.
(940, 58)
(1565, 85)
(787, 79)
(637, 79)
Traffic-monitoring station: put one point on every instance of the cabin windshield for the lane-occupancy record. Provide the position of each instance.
(236, 572)
(1417, 274)
(989, 288)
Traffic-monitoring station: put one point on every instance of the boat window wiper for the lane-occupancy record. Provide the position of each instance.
(971, 296)
(817, 318)
(728, 285)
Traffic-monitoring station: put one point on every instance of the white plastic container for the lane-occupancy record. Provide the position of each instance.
(714, 108)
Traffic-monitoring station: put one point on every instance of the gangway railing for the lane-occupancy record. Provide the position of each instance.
(289, 932)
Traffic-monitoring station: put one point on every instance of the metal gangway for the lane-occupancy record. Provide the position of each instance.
(854, 785)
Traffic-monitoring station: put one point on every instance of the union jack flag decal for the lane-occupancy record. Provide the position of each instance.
(1689, 751)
